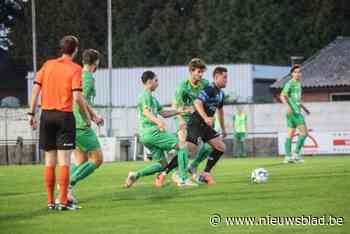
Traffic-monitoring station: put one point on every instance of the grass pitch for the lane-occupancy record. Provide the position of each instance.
(319, 187)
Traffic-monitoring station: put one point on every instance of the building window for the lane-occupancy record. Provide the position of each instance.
(336, 97)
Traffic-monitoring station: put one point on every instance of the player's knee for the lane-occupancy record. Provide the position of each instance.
(99, 162)
(220, 147)
(163, 164)
(97, 158)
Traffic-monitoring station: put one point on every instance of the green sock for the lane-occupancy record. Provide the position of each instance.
(182, 160)
(242, 154)
(73, 169)
(300, 144)
(150, 170)
(288, 146)
(82, 172)
(202, 154)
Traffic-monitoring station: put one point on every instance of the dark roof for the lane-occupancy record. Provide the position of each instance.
(330, 67)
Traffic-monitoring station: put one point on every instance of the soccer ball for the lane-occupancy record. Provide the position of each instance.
(259, 175)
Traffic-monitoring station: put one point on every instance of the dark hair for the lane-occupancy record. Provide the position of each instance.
(147, 75)
(219, 70)
(196, 63)
(90, 56)
(68, 44)
(296, 66)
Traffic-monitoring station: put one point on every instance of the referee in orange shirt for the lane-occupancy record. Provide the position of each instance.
(59, 81)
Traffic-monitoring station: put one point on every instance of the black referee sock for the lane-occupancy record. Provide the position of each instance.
(171, 165)
(213, 159)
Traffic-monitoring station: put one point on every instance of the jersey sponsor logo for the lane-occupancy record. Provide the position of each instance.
(68, 144)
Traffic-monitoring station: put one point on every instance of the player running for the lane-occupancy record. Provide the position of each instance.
(291, 96)
(210, 100)
(185, 95)
(153, 135)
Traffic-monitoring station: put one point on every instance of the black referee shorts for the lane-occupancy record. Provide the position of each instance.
(57, 130)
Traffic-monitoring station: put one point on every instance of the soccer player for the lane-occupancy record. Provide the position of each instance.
(153, 135)
(185, 95)
(88, 153)
(240, 122)
(59, 82)
(291, 97)
(210, 100)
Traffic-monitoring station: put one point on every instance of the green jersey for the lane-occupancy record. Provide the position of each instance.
(89, 93)
(240, 121)
(186, 93)
(292, 90)
(147, 100)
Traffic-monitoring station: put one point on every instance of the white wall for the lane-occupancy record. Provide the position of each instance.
(325, 116)
(126, 84)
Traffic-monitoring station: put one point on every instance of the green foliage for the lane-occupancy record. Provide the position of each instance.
(168, 32)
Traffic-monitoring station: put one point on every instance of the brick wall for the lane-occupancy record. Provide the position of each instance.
(316, 97)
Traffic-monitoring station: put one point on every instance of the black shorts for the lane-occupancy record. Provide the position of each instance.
(57, 130)
(197, 128)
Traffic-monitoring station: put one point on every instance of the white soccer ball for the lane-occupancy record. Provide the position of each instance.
(259, 175)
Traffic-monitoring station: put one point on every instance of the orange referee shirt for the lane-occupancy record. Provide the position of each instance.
(58, 79)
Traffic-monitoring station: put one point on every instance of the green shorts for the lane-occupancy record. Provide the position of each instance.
(294, 120)
(158, 142)
(240, 136)
(86, 140)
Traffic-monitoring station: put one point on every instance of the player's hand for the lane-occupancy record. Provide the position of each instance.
(161, 125)
(209, 121)
(307, 111)
(182, 125)
(32, 122)
(289, 110)
(223, 133)
(99, 121)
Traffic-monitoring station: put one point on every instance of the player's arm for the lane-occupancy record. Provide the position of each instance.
(178, 104)
(151, 117)
(94, 117)
(80, 100)
(78, 96)
(222, 121)
(170, 113)
(284, 97)
(198, 104)
(305, 109)
(31, 114)
(35, 94)
(88, 85)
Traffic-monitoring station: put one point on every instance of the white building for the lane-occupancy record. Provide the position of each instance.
(126, 83)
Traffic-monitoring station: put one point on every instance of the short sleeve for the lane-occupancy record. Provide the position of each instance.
(205, 94)
(40, 76)
(146, 101)
(179, 96)
(88, 85)
(76, 81)
(286, 89)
